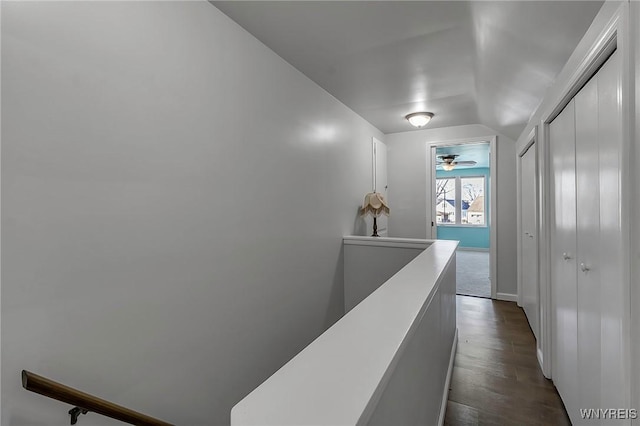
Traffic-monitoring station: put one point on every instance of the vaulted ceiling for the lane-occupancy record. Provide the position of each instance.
(469, 62)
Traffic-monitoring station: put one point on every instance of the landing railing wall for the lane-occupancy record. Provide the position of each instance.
(387, 361)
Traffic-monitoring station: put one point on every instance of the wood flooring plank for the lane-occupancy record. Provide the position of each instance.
(460, 415)
(496, 378)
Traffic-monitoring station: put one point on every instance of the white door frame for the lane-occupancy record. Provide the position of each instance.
(493, 197)
(532, 143)
(377, 185)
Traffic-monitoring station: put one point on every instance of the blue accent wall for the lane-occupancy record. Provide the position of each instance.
(469, 236)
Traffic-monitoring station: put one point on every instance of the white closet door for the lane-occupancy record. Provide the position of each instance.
(610, 252)
(564, 287)
(587, 287)
(529, 261)
(588, 227)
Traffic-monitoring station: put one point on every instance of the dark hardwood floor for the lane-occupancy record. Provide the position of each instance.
(496, 377)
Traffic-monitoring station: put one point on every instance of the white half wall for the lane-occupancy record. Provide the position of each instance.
(370, 261)
(407, 193)
(174, 197)
(388, 361)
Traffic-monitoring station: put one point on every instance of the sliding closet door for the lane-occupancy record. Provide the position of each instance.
(564, 288)
(586, 147)
(588, 228)
(610, 249)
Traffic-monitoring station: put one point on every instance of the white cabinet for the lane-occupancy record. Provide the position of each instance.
(587, 286)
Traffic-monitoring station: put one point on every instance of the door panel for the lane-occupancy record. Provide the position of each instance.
(564, 282)
(529, 261)
(588, 233)
(610, 242)
(587, 248)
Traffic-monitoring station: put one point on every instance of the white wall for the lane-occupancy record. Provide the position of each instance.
(408, 176)
(555, 92)
(635, 240)
(174, 197)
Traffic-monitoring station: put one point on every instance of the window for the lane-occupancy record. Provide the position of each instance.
(471, 208)
(446, 200)
(473, 197)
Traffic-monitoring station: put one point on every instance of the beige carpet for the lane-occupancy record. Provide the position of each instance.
(472, 270)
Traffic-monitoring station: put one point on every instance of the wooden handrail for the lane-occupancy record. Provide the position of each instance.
(85, 402)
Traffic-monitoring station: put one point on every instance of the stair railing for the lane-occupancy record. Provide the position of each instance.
(85, 402)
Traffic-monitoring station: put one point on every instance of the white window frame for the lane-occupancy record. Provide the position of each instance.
(458, 206)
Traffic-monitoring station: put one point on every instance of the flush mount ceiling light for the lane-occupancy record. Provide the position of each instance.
(419, 119)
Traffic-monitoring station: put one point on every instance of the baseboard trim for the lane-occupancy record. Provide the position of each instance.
(447, 383)
(507, 297)
(540, 359)
(485, 250)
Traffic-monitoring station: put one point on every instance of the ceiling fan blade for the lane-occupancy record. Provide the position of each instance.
(465, 163)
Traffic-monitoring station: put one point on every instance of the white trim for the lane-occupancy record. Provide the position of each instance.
(625, 45)
(540, 357)
(432, 217)
(445, 391)
(374, 166)
(493, 197)
(493, 217)
(480, 249)
(546, 222)
(507, 297)
(458, 196)
(633, 36)
(531, 138)
(356, 240)
(598, 54)
(462, 225)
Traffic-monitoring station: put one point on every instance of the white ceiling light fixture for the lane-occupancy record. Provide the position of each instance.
(419, 119)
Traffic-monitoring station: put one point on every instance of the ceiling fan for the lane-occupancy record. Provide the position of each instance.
(448, 162)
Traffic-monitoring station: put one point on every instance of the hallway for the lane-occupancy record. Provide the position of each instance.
(496, 378)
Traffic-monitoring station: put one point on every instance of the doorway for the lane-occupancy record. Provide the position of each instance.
(529, 285)
(462, 206)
